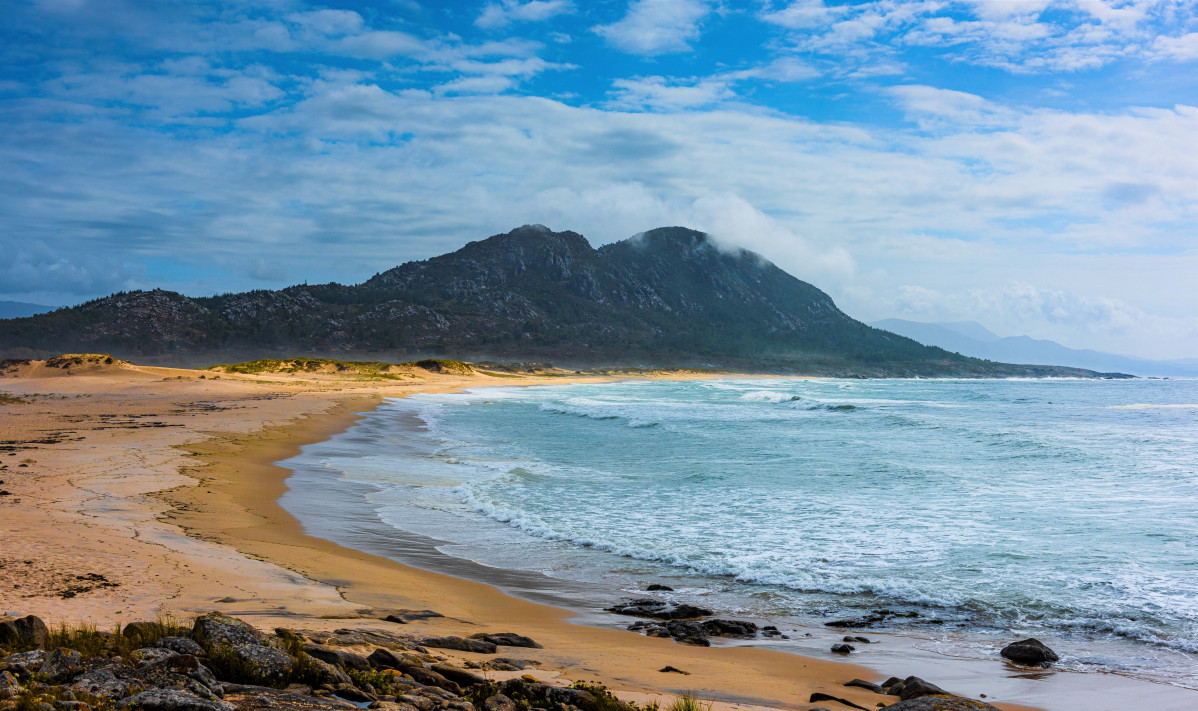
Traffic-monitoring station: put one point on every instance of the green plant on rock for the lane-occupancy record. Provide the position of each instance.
(381, 681)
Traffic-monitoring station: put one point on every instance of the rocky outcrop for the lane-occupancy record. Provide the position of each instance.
(657, 609)
(941, 703)
(460, 644)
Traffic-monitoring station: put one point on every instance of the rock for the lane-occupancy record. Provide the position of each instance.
(71, 705)
(403, 617)
(219, 630)
(337, 657)
(655, 587)
(432, 678)
(891, 682)
(28, 630)
(101, 682)
(941, 703)
(181, 645)
(913, 687)
(567, 696)
(863, 684)
(25, 663)
(349, 692)
(843, 648)
(673, 670)
(396, 706)
(499, 702)
(9, 686)
(150, 655)
(386, 659)
(460, 644)
(141, 630)
(461, 677)
(62, 664)
(657, 609)
(862, 640)
(817, 696)
(248, 697)
(508, 664)
(506, 639)
(172, 700)
(265, 662)
(730, 628)
(329, 674)
(1031, 652)
(182, 671)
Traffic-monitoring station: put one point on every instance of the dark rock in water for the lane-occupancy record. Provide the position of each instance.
(657, 609)
(25, 663)
(337, 657)
(730, 628)
(506, 639)
(460, 644)
(655, 587)
(63, 664)
(499, 702)
(181, 645)
(843, 648)
(863, 684)
(22, 631)
(674, 670)
(1031, 652)
(941, 703)
(817, 696)
(913, 687)
(172, 700)
(867, 621)
(858, 638)
(216, 629)
(101, 682)
(461, 677)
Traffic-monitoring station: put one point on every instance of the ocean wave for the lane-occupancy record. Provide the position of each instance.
(769, 396)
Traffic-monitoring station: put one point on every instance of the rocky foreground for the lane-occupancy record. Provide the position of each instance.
(221, 663)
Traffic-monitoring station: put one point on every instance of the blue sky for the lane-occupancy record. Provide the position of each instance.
(1032, 165)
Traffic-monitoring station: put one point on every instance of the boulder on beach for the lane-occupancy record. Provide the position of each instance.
(843, 648)
(172, 700)
(217, 629)
(460, 644)
(1031, 652)
(28, 630)
(912, 688)
(506, 639)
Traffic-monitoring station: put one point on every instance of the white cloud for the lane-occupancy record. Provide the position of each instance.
(653, 27)
(666, 94)
(1022, 36)
(501, 14)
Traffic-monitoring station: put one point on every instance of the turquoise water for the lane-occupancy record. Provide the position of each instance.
(974, 510)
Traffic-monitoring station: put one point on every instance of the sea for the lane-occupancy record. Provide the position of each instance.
(964, 514)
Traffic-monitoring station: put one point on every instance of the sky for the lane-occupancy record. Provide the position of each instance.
(1031, 165)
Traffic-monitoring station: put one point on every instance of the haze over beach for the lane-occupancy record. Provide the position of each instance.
(635, 355)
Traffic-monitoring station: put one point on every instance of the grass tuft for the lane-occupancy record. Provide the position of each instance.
(689, 701)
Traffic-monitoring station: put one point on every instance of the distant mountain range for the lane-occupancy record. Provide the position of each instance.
(972, 339)
(666, 297)
(20, 309)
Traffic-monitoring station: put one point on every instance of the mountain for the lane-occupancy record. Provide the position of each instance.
(972, 339)
(666, 297)
(19, 309)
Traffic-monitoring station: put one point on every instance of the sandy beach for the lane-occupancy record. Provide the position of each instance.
(135, 492)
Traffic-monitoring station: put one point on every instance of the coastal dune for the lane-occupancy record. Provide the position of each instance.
(135, 492)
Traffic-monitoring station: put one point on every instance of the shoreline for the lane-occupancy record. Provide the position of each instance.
(903, 653)
(212, 473)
